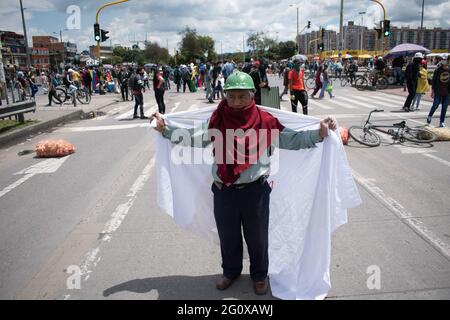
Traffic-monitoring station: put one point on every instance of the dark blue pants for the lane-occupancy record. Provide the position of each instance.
(249, 208)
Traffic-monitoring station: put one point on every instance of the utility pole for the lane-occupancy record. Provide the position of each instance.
(421, 21)
(341, 28)
(297, 39)
(25, 36)
(243, 48)
(362, 13)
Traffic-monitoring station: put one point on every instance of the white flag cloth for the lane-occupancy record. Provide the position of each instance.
(312, 190)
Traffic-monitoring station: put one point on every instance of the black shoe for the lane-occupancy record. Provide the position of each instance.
(144, 117)
(48, 105)
(135, 117)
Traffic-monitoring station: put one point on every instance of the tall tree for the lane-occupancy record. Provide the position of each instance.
(194, 46)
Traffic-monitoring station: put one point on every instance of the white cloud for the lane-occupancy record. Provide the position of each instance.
(225, 21)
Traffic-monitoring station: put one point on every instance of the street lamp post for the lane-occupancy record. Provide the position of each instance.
(362, 13)
(27, 50)
(296, 38)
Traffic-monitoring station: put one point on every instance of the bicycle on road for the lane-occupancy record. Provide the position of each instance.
(64, 94)
(364, 82)
(367, 136)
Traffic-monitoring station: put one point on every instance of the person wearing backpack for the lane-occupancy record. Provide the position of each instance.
(177, 78)
(186, 76)
(137, 87)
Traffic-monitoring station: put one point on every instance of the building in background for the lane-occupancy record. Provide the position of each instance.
(14, 51)
(40, 58)
(59, 52)
(105, 52)
(436, 39)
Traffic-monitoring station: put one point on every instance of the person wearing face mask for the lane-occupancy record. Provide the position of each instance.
(297, 88)
(240, 171)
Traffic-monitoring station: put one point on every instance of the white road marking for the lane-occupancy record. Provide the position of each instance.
(93, 257)
(354, 101)
(46, 166)
(405, 216)
(445, 162)
(342, 104)
(320, 105)
(105, 128)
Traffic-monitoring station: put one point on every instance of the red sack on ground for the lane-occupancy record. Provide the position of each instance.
(54, 148)
(344, 134)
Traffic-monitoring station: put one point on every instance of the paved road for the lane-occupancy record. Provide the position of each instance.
(96, 210)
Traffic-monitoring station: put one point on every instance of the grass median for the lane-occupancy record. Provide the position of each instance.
(9, 125)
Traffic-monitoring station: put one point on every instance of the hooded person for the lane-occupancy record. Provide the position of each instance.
(242, 136)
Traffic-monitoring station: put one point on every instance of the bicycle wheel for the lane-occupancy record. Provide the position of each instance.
(364, 136)
(310, 83)
(419, 135)
(83, 96)
(361, 83)
(61, 94)
(382, 83)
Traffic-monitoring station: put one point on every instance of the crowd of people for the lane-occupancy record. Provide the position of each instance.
(131, 81)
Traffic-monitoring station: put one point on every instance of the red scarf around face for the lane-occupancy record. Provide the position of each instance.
(251, 117)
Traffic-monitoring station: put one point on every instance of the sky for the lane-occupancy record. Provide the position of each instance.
(227, 22)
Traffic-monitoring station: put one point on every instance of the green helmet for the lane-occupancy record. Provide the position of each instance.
(239, 81)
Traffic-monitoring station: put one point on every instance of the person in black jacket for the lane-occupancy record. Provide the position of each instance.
(412, 75)
(440, 91)
(259, 79)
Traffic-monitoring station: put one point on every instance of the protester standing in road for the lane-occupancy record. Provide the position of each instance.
(137, 87)
(123, 77)
(297, 88)
(240, 188)
(422, 85)
(158, 86)
(412, 75)
(440, 91)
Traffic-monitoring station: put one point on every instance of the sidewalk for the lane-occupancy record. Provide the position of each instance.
(49, 117)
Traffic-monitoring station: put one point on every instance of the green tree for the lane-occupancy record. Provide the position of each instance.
(194, 46)
(286, 49)
(156, 54)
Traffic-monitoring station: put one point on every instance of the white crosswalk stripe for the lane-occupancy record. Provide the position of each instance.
(315, 103)
(148, 110)
(341, 104)
(362, 104)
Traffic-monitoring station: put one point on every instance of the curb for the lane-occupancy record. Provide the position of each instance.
(12, 137)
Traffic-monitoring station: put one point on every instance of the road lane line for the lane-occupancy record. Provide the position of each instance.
(46, 166)
(105, 128)
(93, 257)
(405, 216)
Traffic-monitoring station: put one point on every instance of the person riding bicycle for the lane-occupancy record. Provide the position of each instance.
(378, 70)
(69, 84)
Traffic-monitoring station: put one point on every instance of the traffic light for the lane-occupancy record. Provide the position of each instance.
(309, 24)
(387, 28)
(321, 47)
(104, 35)
(97, 32)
